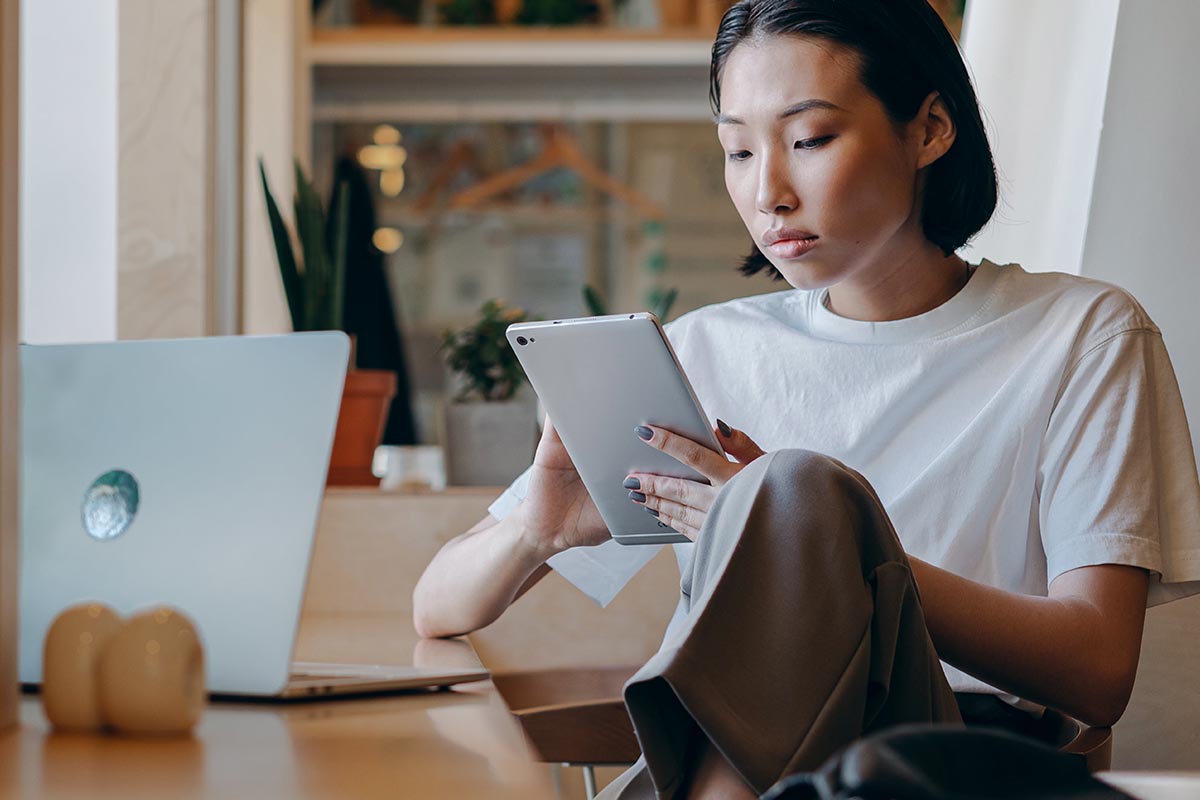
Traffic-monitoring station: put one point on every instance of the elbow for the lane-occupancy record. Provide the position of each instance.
(424, 627)
(1106, 699)
(427, 627)
(428, 622)
(424, 620)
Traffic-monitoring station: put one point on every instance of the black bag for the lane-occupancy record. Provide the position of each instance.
(944, 762)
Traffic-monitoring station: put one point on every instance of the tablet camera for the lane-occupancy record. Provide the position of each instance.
(521, 340)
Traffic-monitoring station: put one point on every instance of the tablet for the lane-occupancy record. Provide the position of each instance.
(599, 378)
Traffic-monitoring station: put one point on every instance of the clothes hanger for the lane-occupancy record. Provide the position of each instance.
(462, 154)
(561, 150)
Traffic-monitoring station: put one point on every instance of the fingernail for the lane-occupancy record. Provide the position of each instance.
(637, 497)
(632, 483)
(652, 512)
(644, 433)
(725, 430)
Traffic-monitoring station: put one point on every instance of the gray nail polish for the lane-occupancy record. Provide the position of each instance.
(632, 483)
(637, 497)
(644, 433)
(652, 512)
(725, 430)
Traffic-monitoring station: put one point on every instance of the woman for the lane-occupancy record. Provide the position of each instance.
(1023, 433)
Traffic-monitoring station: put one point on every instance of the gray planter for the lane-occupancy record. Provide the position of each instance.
(488, 444)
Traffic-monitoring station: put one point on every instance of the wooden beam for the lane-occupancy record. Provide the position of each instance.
(9, 372)
(164, 185)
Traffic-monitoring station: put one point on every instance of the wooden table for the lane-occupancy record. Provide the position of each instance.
(454, 744)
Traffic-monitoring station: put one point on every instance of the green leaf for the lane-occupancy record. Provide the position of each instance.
(310, 226)
(593, 301)
(293, 287)
(341, 222)
(482, 356)
(663, 306)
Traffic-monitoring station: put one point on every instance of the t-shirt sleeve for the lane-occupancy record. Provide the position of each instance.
(1118, 471)
(600, 572)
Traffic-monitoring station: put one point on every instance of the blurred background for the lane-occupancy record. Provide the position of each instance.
(518, 150)
(526, 151)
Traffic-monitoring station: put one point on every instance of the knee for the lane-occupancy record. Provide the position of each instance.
(805, 481)
(803, 467)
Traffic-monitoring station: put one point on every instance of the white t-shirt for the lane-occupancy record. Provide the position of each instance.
(1030, 425)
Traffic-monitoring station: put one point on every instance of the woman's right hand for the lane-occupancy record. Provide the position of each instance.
(558, 513)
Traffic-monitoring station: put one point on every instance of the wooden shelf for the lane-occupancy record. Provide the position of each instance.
(508, 46)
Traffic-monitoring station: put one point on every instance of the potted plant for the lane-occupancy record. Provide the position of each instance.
(315, 290)
(489, 427)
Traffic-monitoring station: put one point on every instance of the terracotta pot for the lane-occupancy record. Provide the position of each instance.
(366, 399)
(676, 13)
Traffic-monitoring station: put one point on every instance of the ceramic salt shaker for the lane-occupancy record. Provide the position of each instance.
(72, 649)
(151, 675)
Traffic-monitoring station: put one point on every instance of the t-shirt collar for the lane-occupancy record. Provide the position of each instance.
(941, 320)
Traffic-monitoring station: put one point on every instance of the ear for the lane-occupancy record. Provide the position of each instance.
(934, 130)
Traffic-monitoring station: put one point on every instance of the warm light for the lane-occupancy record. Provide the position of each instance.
(382, 156)
(387, 240)
(391, 182)
(386, 135)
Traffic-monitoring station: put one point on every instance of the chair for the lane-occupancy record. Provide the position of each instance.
(573, 716)
(1093, 745)
(577, 717)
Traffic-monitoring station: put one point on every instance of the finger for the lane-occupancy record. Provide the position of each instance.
(679, 527)
(737, 444)
(687, 493)
(679, 517)
(708, 463)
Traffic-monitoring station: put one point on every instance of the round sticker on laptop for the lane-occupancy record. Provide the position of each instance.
(110, 505)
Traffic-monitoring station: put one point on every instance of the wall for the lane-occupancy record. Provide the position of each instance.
(9, 375)
(1092, 117)
(1040, 70)
(1142, 234)
(69, 167)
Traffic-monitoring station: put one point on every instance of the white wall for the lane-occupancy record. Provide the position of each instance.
(1040, 69)
(1144, 234)
(1144, 230)
(68, 170)
(1094, 116)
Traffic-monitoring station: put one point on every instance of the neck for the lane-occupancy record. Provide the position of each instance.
(906, 288)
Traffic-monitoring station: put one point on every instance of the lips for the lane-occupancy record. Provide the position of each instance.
(789, 242)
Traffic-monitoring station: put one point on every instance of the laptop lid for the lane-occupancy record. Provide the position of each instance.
(186, 472)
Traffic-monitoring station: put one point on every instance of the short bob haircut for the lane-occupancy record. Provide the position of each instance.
(906, 53)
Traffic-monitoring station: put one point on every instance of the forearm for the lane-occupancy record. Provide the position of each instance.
(474, 578)
(1061, 652)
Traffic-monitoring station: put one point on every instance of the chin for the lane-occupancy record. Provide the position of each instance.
(808, 275)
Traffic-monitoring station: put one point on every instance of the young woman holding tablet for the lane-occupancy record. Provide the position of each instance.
(1011, 445)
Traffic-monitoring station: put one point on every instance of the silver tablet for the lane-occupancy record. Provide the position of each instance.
(599, 378)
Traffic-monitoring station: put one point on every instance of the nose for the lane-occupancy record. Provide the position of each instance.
(776, 195)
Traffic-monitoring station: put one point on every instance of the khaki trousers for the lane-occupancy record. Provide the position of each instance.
(804, 631)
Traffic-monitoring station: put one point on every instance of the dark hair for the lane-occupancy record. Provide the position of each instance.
(906, 53)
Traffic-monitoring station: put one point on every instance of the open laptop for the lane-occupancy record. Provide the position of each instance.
(190, 473)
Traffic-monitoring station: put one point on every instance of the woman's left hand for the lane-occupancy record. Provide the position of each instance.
(681, 503)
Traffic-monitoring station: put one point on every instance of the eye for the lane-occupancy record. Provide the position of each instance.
(812, 144)
(740, 155)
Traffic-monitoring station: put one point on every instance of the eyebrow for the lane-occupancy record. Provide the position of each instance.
(790, 111)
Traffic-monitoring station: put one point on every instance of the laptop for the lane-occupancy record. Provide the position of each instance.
(189, 473)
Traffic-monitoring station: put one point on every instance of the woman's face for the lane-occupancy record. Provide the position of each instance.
(825, 182)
